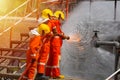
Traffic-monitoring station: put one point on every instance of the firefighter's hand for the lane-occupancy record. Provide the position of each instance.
(67, 37)
(33, 60)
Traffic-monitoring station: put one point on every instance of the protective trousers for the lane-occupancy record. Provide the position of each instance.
(43, 57)
(52, 67)
(32, 69)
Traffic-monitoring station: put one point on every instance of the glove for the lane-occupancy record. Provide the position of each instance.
(67, 37)
(33, 60)
(64, 37)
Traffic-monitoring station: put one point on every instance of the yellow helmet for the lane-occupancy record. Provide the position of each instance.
(44, 27)
(58, 13)
(46, 12)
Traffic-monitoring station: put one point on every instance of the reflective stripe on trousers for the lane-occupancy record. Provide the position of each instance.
(33, 55)
(41, 63)
(52, 66)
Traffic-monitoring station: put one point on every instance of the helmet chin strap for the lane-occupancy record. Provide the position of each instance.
(43, 33)
(59, 17)
(49, 16)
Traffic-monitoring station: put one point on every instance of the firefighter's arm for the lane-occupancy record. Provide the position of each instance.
(62, 35)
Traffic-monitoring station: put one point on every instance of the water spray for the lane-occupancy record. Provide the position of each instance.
(115, 44)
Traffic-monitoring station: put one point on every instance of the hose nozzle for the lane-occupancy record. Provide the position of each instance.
(64, 37)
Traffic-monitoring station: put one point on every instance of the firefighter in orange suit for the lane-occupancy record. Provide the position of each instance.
(43, 57)
(35, 46)
(44, 53)
(52, 67)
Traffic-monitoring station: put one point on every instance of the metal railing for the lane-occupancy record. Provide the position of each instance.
(112, 75)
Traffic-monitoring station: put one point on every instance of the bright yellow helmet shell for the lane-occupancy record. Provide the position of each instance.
(45, 13)
(44, 27)
(58, 13)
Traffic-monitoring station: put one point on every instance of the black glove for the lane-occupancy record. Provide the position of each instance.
(33, 60)
(68, 37)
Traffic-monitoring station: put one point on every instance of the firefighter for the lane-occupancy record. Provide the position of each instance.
(52, 67)
(44, 53)
(43, 57)
(35, 46)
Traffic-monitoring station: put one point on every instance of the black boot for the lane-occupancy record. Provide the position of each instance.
(40, 76)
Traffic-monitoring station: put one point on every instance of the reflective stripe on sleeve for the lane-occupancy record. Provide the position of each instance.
(54, 27)
(25, 77)
(56, 36)
(33, 55)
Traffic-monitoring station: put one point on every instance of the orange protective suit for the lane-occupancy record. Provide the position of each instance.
(43, 57)
(32, 54)
(44, 52)
(52, 67)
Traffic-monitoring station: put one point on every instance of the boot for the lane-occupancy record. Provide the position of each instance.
(43, 78)
(40, 76)
(59, 77)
